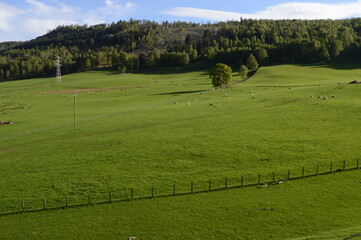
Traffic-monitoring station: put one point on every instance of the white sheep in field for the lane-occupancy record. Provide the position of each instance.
(311, 96)
(325, 98)
(226, 95)
(333, 96)
(319, 97)
(189, 103)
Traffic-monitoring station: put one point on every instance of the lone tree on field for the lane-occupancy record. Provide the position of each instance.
(252, 63)
(221, 74)
(243, 70)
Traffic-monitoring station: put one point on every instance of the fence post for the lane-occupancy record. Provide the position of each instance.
(110, 196)
(131, 193)
(259, 178)
(44, 203)
(22, 205)
(191, 187)
(209, 185)
(225, 183)
(152, 191)
(344, 165)
(173, 189)
(288, 174)
(331, 168)
(303, 171)
(316, 170)
(66, 201)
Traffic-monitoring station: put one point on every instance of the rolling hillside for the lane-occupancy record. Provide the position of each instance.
(169, 127)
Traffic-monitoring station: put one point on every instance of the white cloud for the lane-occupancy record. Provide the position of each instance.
(39, 16)
(114, 8)
(291, 10)
(40, 26)
(112, 11)
(7, 14)
(40, 7)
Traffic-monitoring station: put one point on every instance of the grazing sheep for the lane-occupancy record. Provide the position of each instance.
(226, 95)
(211, 104)
(325, 98)
(194, 100)
(132, 238)
(311, 96)
(189, 103)
(319, 97)
(5, 122)
(333, 96)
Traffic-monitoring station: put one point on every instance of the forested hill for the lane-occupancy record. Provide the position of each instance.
(8, 45)
(144, 44)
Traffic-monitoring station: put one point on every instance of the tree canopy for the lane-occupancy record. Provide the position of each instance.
(221, 74)
(243, 71)
(145, 44)
(252, 63)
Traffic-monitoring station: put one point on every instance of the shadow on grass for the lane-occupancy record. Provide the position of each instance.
(200, 66)
(337, 64)
(180, 92)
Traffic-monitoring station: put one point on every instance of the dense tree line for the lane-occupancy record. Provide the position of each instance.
(144, 44)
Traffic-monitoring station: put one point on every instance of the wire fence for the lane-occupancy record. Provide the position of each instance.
(15, 206)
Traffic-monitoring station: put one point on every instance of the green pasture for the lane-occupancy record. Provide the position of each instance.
(169, 127)
(320, 208)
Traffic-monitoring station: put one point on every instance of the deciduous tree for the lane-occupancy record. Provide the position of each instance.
(221, 74)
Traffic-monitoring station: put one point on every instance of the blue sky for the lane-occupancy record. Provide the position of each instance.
(26, 19)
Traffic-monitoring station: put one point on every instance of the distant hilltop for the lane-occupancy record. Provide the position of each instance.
(8, 45)
(134, 44)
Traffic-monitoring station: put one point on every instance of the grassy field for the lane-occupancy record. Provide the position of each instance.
(169, 127)
(324, 207)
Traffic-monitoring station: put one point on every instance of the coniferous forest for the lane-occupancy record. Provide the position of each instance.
(134, 44)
